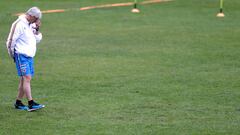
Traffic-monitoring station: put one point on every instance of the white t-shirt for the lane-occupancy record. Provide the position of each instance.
(22, 37)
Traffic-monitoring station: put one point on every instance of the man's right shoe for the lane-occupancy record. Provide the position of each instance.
(21, 106)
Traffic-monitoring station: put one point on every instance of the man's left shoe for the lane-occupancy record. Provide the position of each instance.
(35, 106)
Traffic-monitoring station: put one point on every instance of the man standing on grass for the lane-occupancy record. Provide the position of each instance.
(21, 45)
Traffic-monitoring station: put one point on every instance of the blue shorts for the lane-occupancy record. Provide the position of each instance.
(24, 65)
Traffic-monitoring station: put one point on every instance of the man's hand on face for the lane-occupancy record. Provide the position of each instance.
(38, 24)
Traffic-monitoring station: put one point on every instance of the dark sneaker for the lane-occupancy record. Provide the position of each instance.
(21, 106)
(35, 106)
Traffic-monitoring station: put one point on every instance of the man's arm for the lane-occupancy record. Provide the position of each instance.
(37, 33)
(14, 34)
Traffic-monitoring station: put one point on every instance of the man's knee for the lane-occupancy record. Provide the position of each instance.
(27, 78)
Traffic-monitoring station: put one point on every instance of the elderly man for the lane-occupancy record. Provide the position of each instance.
(21, 45)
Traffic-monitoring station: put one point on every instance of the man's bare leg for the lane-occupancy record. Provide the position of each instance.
(27, 87)
(20, 89)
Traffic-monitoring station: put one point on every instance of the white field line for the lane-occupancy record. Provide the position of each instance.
(154, 1)
(123, 4)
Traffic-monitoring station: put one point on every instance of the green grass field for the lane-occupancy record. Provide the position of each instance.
(173, 69)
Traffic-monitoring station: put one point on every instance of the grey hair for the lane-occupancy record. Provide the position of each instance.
(35, 11)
